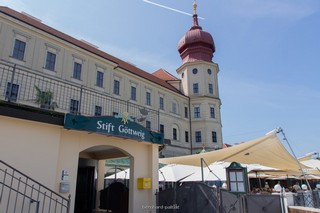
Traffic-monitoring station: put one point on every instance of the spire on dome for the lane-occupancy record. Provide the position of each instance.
(194, 8)
(195, 16)
(196, 44)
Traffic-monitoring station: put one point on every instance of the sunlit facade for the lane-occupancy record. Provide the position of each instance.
(85, 80)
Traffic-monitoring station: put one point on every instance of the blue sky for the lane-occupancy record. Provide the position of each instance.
(268, 53)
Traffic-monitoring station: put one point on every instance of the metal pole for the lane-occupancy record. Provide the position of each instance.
(175, 188)
(116, 170)
(295, 157)
(282, 195)
(258, 179)
(202, 175)
(69, 203)
(203, 161)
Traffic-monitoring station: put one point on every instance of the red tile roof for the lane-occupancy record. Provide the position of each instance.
(121, 64)
(225, 145)
(164, 75)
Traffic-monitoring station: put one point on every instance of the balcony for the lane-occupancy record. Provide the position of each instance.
(33, 88)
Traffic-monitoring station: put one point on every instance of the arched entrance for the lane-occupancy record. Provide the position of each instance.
(107, 137)
(91, 192)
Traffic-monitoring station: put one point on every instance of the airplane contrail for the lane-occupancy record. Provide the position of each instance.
(170, 8)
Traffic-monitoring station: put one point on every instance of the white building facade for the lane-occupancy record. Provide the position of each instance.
(186, 109)
(47, 77)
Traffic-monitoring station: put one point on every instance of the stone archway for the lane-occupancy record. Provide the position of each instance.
(143, 162)
(90, 191)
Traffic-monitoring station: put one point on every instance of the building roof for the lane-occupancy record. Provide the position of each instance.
(225, 145)
(85, 46)
(164, 75)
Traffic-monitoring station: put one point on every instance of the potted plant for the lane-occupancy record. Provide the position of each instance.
(44, 98)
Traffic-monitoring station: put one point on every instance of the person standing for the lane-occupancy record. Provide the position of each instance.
(277, 187)
(266, 186)
(296, 187)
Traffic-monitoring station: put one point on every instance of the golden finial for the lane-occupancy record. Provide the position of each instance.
(194, 8)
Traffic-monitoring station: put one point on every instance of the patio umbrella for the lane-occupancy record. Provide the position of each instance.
(214, 172)
(259, 175)
(176, 172)
(310, 177)
(283, 177)
(217, 171)
(168, 173)
(124, 174)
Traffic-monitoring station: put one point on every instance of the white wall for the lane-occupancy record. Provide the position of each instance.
(42, 151)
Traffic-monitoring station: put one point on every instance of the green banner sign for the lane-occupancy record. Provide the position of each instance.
(119, 125)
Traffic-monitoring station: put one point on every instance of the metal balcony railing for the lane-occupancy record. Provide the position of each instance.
(34, 88)
(20, 193)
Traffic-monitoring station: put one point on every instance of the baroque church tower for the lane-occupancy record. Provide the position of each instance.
(199, 81)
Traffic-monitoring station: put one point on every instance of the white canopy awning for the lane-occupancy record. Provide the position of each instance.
(266, 150)
(313, 163)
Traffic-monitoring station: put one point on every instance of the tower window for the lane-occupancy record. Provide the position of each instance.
(212, 114)
(195, 71)
(210, 88)
(214, 137)
(195, 88)
(209, 71)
